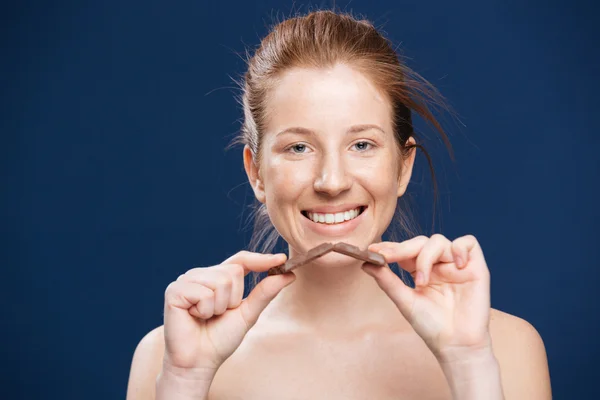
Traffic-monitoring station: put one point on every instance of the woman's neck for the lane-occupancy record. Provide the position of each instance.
(333, 295)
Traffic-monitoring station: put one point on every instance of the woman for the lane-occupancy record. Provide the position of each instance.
(329, 149)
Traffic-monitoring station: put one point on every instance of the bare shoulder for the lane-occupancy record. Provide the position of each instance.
(146, 365)
(521, 354)
(508, 330)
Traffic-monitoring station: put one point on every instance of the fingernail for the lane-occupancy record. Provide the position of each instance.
(459, 261)
(420, 279)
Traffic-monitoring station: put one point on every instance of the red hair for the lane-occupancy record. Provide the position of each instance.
(322, 39)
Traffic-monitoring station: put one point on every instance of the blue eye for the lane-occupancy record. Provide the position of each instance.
(300, 148)
(364, 147)
(299, 145)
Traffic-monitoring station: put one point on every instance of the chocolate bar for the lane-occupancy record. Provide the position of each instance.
(302, 259)
(324, 248)
(364, 255)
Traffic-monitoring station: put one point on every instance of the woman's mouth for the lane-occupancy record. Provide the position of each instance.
(334, 218)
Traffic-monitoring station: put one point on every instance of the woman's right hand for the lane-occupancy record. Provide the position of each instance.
(205, 318)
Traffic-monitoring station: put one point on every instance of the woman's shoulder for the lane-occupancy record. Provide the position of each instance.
(509, 332)
(504, 324)
(152, 345)
(521, 355)
(146, 364)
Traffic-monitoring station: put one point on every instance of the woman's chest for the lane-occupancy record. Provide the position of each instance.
(313, 369)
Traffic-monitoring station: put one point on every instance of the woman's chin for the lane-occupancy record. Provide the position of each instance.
(334, 260)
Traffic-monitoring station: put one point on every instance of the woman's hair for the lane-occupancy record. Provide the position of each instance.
(322, 39)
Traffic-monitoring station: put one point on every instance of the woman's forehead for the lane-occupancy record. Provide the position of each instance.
(337, 85)
(337, 96)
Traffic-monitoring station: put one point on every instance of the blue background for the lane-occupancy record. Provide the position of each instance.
(115, 117)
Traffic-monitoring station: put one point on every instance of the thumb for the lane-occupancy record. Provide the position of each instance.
(402, 295)
(260, 297)
(256, 262)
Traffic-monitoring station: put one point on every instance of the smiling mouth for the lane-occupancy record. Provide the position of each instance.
(334, 218)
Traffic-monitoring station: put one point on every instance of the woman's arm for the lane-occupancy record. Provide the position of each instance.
(518, 364)
(149, 380)
(172, 385)
(473, 375)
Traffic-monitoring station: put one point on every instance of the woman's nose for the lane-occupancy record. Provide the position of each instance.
(332, 177)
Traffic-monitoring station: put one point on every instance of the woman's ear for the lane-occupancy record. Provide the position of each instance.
(406, 168)
(253, 175)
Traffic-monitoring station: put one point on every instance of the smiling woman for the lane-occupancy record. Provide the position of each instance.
(329, 148)
(344, 158)
(328, 76)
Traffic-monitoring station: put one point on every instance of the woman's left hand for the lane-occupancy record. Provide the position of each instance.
(450, 305)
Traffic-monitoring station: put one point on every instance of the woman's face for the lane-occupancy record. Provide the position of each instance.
(329, 168)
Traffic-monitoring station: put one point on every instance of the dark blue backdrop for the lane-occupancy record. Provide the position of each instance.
(115, 116)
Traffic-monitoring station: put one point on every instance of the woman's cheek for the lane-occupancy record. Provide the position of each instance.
(376, 173)
(293, 173)
(284, 182)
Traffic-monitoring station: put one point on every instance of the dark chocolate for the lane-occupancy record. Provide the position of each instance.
(324, 248)
(302, 259)
(364, 255)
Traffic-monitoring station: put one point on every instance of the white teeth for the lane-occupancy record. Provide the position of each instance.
(334, 218)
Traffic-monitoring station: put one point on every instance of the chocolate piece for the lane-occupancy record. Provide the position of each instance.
(364, 255)
(302, 259)
(324, 248)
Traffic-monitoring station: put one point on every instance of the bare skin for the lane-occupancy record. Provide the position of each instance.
(380, 363)
(334, 333)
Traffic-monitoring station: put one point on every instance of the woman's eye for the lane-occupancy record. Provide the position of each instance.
(363, 146)
(300, 147)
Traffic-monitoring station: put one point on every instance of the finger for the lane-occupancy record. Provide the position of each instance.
(192, 297)
(221, 284)
(461, 248)
(237, 290)
(392, 285)
(438, 249)
(467, 248)
(403, 253)
(383, 245)
(256, 262)
(205, 306)
(448, 272)
(226, 280)
(258, 299)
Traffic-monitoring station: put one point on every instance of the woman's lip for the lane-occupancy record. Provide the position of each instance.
(335, 209)
(361, 209)
(339, 229)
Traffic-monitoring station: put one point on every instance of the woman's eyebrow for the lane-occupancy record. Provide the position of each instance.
(353, 129)
(296, 129)
(364, 127)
